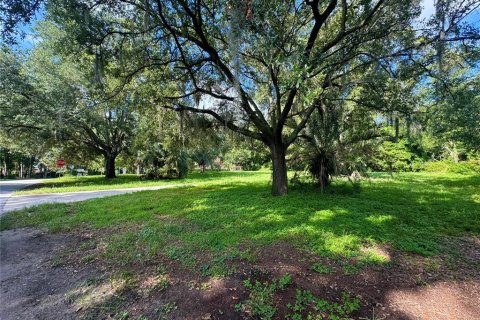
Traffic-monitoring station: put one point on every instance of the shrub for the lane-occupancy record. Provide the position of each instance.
(394, 156)
(465, 167)
(160, 174)
(182, 165)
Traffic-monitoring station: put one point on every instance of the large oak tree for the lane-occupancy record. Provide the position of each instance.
(260, 68)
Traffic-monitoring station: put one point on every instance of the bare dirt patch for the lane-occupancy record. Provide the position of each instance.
(49, 276)
(33, 282)
(408, 287)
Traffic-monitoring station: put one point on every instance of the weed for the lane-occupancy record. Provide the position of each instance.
(100, 311)
(88, 245)
(92, 281)
(161, 269)
(219, 266)
(260, 301)
(247, 254)
(205, 286)
(161, 283)
(431, 265)
(89, 258)
(307, 306)
(321, 268)
(186, 258)
(351, 269)
(284, 281)
(57, 261)
(169, 307)
(69, 297)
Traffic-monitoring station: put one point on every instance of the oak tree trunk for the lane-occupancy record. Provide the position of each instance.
(280, 180)
(110, 166)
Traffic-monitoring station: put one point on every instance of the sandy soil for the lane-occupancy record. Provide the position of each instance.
(30, 286)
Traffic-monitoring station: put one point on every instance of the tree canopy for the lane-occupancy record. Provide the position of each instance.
(274, 71)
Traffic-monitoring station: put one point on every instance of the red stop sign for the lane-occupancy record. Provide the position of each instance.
(60, 163)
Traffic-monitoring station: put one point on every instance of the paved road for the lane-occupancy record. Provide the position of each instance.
(10, 203)
(7, 187)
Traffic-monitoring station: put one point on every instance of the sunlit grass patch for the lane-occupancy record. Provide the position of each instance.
(125, 181)
(408, 212)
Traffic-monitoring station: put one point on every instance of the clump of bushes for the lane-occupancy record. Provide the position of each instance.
(394, 157)
(464, 167)
(160, 174)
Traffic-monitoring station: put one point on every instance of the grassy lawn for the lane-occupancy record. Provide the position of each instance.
(124, 181)
(231, 216)
(411, 212)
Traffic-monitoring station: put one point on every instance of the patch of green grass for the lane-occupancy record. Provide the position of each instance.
(182, 254)
(92, 281)
(410, 212)
(219, 265)
(351, 269)
(57, 261)
(87, 245)
(89, 258)
(125, 181)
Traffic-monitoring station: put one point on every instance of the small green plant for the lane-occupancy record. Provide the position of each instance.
(125, 274)
(219, 265)
(161, 269)
(284, 281)
(161, 284)
(186, 258)
(351, 269)
(57, 261)
(260, 301)
(169, 307)
(87, 245)
(321, 268)
(89, 258)
(124, 315)
(205, 286)
(309, 307)
(92, 281)
(70, 297)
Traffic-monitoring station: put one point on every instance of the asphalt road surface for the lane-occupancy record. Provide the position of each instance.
(9, 202)
(7, 187)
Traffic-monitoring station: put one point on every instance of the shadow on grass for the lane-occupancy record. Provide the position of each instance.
(410, 214)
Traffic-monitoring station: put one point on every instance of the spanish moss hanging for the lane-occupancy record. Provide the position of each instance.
(99, 67)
